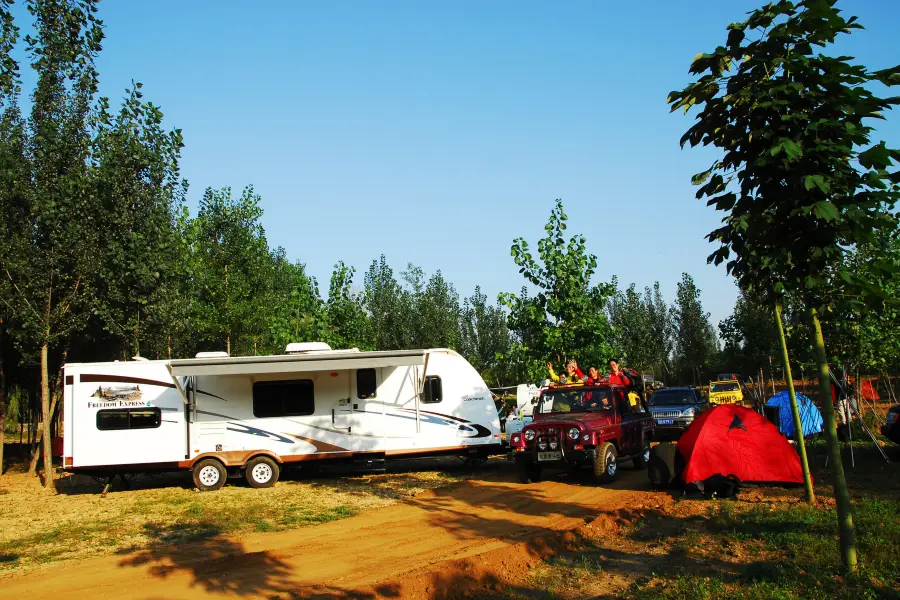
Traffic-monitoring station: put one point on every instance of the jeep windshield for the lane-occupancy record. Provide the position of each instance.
(565, 401)
(728, 386)
(673, 398)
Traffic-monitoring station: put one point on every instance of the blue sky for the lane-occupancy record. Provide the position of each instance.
(436, 132)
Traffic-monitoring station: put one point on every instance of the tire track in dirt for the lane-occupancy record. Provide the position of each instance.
(396, 551)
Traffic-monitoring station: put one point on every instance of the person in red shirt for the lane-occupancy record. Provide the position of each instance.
(616, 375)
(594, 376)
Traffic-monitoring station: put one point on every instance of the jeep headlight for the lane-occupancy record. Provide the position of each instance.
(573, 433)
(529, 434)
(688, 412)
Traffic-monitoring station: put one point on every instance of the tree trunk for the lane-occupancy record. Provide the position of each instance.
(36, 452)
(228, 344)
(45, 408)
(841, 494)
(137, 335)
(2, 400)
(2, 414)
(795, 411)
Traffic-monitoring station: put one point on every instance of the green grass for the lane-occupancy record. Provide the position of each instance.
(792, 552)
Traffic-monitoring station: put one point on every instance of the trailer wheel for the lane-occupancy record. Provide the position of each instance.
(209, 475)
(605, 466)
(528, 471)
(261, 472)
(643, 459)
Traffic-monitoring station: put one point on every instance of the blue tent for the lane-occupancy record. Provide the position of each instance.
(810, 417)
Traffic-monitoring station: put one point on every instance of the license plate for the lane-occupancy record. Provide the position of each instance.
(665, 421)
(549, 455)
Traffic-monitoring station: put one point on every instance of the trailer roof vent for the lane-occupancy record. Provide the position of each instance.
(301, 347)
(211, 355)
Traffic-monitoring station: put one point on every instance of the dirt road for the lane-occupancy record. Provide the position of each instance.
(412, 549)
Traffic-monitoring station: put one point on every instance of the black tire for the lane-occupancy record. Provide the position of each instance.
(605, 466)
(528, 471)
(209, 475)
(261, 472)
(643, 459)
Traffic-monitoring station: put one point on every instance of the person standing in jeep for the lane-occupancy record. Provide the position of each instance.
(616, 374)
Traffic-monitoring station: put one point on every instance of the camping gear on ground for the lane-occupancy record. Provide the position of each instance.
(732, 440)
(720, 486)
(665, 465)
(810, 417)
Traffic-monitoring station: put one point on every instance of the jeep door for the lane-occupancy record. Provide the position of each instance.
(631, 423)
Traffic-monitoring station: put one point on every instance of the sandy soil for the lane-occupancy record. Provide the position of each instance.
(441, 544)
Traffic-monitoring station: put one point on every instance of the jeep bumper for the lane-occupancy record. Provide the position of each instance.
(569, 457)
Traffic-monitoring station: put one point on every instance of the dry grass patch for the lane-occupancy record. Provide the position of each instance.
(37, 527)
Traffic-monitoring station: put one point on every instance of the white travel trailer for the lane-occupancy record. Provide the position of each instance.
(252, 415)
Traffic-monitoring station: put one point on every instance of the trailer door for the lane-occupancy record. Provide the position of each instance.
(367, 431)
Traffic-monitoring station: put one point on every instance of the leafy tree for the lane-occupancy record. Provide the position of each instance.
(566, 316)
(11, 162)
(643, 327)
(631, 327)
(294, 308)
(52, 253)
(231, 256)
(661, 338)
(436, 314)
(348, 323)
(695, 340)
(388, 307)
(800, 181)
(140, 191)
(484, 337)
(750, 335)
(170, 327)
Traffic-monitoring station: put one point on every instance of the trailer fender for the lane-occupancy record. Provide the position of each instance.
(235, 458)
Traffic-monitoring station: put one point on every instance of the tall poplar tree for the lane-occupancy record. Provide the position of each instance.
(800, 181)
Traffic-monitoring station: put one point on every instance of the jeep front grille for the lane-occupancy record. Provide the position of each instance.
(666, 414)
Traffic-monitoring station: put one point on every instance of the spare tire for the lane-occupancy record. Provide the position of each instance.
(662, 470)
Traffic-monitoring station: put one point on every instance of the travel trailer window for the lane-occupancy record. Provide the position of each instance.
(128, 418)
(291, 398)
(434, 391)
(365, 383)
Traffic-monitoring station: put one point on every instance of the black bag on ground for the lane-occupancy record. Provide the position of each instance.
(666, 465)
(720, 486)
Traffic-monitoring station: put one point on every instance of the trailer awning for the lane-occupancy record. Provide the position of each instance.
(296, 363)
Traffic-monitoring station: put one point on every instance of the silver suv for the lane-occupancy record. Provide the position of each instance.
(674, 409)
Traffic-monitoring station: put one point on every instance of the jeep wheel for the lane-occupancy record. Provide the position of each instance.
(643, 459)
(528, 471)
(605, 466)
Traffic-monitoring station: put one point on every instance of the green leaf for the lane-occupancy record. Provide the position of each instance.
(791, 149)
(826, 210)
(816, 181)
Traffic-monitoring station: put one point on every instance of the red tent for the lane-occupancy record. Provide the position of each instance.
(732, 440)
(868, 390)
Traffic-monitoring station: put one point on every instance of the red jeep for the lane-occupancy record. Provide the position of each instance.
(585, 425)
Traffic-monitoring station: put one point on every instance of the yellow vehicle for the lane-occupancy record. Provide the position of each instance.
(725, 392)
